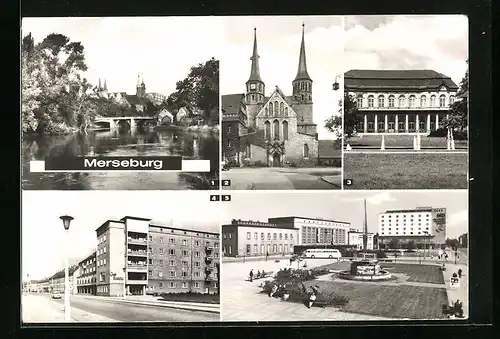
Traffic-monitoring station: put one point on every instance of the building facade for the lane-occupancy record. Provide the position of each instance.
(280, 235)
(137, 256)
(422, 225)
(355, 239)
(463, 240)
(406, 102)
(87, 278)
(274, 130)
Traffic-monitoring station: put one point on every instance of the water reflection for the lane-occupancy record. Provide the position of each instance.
(135, 142)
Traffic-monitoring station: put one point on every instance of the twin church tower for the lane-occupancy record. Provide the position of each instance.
(301, 100)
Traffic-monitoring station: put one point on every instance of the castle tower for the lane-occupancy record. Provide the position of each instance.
(141, 87)
(255, 87)
(302, 88)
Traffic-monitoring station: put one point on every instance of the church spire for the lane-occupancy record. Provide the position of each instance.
(142, 78)
(255, 71)
(99, 86)
(105, 85)
(138, 79)
(302, 70)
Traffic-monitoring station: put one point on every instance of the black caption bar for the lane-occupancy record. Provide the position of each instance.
(114, 164)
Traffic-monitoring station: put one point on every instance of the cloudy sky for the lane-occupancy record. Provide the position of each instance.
(278, 40)
(347, 206)
(43, 232)
(163, 49)
(437, 42)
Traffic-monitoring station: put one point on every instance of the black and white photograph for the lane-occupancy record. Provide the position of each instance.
(277, 101)
(406, 102)
(134, 95)
(351, 255)
(126, 256)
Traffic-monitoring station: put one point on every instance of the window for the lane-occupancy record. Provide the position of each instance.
(184, 253)
(197, 254)
(161, 240)
(391, 100)
(160, 262)
(171, 284)
(370, 101)
(442, 100)
(286, 236)
(160, 274)
(401, 100)
(381, 101)
(185, 263)
(196, 284)
(196, 264)
(268, 236)
(412, 101)
(172, 273)
(423, 101)
(285, 130)
(184, 242)
(276, 108)
(359, 101)
(306, 151)
(197, 274)
(248, 236)
(184, 274)
(172, 262)
(281, 236)
(160, 250)
(267, 130)
(171, 241)
(150, 238)
(184, 284)
(276, 127)
(197, 242)
(255, 249)
(433, 101)
(171, 251)
(255, 236)
(150, 261)
(452, 99)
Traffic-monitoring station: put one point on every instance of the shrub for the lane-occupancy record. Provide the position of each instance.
(259, 163)
(443, 133)
(292, 164)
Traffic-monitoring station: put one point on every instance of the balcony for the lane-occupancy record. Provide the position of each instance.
(209, 249)
(137, 253)
(137, 266)
(209, 270)
(137, 281)
(208, 260)
(138, 241)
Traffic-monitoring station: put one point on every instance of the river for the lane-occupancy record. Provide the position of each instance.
(139, 142)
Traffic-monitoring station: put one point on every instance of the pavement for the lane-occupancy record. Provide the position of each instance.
(242, 300)
(41, 308)
(281, 178)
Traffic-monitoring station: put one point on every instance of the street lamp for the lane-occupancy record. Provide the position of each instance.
(336, 85)
(425, 243)
(66, 219)
(124, 281)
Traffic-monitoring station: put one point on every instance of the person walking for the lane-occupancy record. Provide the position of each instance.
(459, 273)
(267, 255)
(251, 275)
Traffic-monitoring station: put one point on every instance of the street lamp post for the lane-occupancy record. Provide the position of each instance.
(124, 282)
(336, 85)
(66, 219)
(425, 243)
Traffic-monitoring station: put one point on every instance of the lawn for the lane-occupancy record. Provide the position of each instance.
(417, 273)
(404, 301)
(406, 171)
(374, 141)
(192, 297)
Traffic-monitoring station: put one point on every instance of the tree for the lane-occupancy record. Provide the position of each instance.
(349, 114)
(394, 243)
(453, 243)
(200, 89)
(410, 245)
(457, 118)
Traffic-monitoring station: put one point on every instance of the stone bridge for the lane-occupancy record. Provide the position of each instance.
(115, 122)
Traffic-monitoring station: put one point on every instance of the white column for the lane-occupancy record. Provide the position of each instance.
(365, 124)
(396, 123)
(385, 123)
(382, 145)
(376, 123)
(448, 140)
(415, 142)
(437, 122)
(406, 123)
(419, 139)
(67, 307)
(416, 123)
(428, 123)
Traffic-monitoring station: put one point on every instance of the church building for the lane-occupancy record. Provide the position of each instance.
(139, 101)
(276, 129)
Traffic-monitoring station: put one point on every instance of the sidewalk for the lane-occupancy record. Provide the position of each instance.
(153, 301)
(458, 293)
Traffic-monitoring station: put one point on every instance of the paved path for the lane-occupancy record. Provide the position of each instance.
(106, 309)
(241, 300)
(276, 178)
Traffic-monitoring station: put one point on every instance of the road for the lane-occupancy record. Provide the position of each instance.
(278, 178)
(42, 308)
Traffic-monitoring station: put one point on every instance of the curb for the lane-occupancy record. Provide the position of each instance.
(330, 182)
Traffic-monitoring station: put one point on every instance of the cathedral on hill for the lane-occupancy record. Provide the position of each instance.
(275, 129)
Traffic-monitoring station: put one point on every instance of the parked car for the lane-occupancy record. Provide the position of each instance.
(56, 295)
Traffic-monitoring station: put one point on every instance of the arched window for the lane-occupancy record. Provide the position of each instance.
(412, 101)
(302, 86)
(452, 99)
(391, 100)
(370, 101)
(266, 112)
(442, 100)
(276, 127)
(423, 101)
(282, 109)
(359, 101)
(433, 101)
(276, 108)
(401, 101)
(306, 151)
(260, 87)
(267, 130)
(285, 130)
(286, 111)
(270, 108)
(381, 101)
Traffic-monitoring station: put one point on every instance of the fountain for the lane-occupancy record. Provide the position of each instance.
(366, 267)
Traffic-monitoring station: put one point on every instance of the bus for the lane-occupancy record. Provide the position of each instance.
(322, 253)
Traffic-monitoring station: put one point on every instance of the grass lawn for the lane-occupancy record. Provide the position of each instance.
(402, 141)
(418, 273)
(406, 171)
(192, 297)
(404, 301)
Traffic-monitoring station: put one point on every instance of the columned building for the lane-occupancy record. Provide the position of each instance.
(405, 102)
(422, 225)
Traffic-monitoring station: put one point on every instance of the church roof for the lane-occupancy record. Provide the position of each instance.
(302, 69)
(406, 80)
(135, 100)
(327, 149)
